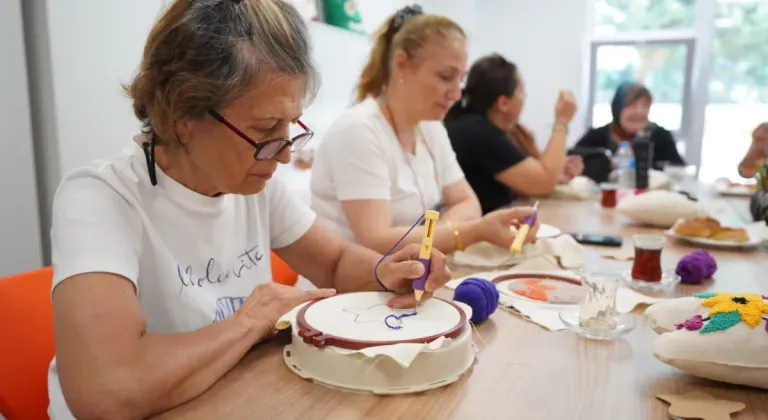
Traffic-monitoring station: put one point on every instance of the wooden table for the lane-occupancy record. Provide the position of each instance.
(523, 371)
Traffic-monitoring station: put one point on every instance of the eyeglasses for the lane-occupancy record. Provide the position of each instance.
(268, 149)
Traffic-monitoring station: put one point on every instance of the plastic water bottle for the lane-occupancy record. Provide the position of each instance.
(625, 165)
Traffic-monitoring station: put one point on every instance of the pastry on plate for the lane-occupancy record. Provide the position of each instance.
(700, 227)
(731, 235)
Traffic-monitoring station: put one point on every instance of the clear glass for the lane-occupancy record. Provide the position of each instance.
(612, 16)
(598, 309)
(661, 67)
(738, 87)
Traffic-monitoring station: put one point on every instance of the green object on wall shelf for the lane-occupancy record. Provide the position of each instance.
(343, 14)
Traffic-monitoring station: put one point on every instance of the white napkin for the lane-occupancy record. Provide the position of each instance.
(545, 314)
(658, 180)
(579, 188)
(563, 249)
(404, 354)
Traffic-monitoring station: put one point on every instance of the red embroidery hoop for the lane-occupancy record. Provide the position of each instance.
(320, 339)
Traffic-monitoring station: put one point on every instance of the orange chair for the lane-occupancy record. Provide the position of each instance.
(26, 344)
(282, 273)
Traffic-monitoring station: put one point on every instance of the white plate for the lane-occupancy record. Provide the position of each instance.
(723, 187)
(545, 231)
(754, 240)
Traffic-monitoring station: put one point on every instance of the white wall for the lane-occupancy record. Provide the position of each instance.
(547, 40)
(96, 46)
(550, 49)
(20, 244)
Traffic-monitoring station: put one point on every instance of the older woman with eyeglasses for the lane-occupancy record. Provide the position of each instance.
(161, 255)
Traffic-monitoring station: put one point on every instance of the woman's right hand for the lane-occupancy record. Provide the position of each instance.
(268, 302)
(760, 139)
(565, 107)
(495, 227)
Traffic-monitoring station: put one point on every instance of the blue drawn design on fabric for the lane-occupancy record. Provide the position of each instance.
(721, 322)
(227, 306)
(398, 319)
(213, 271)
(378, 313)
(705, 295)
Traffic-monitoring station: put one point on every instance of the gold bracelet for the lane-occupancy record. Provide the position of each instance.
(564, 125)
(457, 237)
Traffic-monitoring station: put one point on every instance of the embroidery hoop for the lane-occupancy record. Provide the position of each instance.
(315, 336)
(503, 282)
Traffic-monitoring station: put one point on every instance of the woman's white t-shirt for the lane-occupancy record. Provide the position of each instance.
(192, 259)
(360, 158)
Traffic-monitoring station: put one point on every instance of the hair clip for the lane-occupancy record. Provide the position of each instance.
(405, 14)
(236, 2)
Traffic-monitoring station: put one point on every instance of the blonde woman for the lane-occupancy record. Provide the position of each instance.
(388, 158)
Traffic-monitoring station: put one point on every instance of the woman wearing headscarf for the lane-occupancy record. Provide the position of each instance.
(630, 107)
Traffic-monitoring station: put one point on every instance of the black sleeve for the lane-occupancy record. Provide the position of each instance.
(665, 149)
(494, 149)
(594, 138)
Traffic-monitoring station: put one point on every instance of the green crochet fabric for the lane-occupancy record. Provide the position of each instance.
(705, 295)
(721, 322)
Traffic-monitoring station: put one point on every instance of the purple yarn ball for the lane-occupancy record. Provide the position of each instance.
(479, 294)
(695, 267)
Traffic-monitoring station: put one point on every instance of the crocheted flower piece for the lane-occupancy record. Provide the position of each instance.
(705, 295)
(693, 324)
(749, 308)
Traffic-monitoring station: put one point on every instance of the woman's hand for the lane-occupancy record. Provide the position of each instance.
(760, 139)
(574, 166)
(565, 107)
(268, 302)
(398, 271)
(751, 161)
(495, 227)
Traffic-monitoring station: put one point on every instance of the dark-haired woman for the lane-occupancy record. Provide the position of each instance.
(498, 154)
(388, 158)
(630, 107)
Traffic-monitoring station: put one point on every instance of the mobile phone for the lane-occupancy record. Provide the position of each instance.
(603, 240)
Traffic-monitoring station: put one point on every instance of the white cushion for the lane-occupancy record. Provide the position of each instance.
(579, 188)
(736, 353)
(660, 208)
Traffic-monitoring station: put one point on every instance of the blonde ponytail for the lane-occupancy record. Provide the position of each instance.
(400, 32)
(375, 74)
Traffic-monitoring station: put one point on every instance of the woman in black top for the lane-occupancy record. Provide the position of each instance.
(498, 155)
(630, 107)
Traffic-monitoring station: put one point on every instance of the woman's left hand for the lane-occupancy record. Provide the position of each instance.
(398, 271)
(574, 166)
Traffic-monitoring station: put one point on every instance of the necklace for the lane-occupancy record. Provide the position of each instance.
(391, 119)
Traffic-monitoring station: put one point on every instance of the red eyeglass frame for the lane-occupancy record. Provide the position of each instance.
(269, 146)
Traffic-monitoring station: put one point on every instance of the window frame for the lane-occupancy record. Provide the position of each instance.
(687, 40)
(690, 137)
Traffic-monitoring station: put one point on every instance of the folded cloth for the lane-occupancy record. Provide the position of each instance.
(547, 314)
(579, 188)
(563, 250)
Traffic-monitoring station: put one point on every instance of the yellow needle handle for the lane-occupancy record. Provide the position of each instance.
(517, 244)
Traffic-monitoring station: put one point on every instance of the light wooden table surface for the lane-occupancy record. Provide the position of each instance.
(523, 371)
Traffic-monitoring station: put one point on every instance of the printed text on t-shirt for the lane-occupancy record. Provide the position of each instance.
(248, 260)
